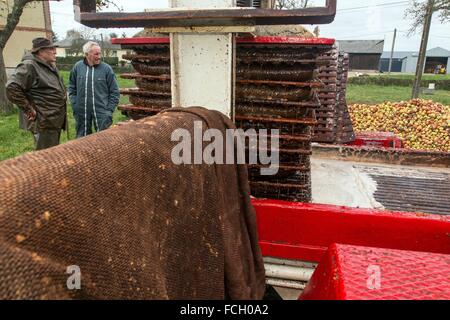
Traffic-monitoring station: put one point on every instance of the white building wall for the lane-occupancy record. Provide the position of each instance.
(411, 64)
(33, 23)
(61, 52)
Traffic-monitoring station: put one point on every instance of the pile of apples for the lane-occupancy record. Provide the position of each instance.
(421, 124)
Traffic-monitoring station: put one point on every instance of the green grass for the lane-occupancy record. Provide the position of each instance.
(14, 142)
(373, 94)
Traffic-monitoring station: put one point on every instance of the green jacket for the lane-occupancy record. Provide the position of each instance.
(41, 89)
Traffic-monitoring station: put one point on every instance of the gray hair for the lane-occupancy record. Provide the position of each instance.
(89, 45)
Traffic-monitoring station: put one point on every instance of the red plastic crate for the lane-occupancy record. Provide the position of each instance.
(361, 273)
(377, 139)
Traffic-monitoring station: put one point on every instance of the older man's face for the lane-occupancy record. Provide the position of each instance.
(48, 55)
(94, 56)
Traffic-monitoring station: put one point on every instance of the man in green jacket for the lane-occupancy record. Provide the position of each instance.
(93, 91)
(38, 90)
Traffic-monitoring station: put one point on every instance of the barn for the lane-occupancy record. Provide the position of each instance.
(406, 61)
(364, 54)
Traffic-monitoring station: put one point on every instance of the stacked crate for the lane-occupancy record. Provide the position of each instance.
(276, 88)
(326, 114)
(344, 127)
(334, 123)
(152, 64)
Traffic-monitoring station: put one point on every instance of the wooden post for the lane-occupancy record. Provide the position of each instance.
(423, 49)
(392, 51)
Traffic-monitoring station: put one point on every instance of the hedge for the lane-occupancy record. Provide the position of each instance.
(388, 81)
(64, 62)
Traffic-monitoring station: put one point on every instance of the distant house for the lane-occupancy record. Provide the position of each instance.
(34, 22)
(109, 50)
(406, 61)
(397, 60)
(363, 54)
(63, 45)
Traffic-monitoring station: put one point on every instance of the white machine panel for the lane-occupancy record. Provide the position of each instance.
(203, 64)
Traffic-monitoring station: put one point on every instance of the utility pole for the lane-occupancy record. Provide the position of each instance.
(423, 49)
(392, 51)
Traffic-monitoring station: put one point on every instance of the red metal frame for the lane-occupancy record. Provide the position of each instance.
(305, 231)
(263, 39)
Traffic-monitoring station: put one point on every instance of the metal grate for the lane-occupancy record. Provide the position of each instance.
(414, 194)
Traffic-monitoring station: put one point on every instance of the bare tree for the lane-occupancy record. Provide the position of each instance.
(106, 44)
(87, 33)
(13, 17)
(78, 37)
(55, 37)
(291, 4)
(418, 10)
(107, 4)
(76, 47)
(316, 31)
(13, 14)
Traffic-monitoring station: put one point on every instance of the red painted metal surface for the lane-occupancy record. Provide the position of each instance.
(361, 273)
(286, 40)
(378, 140)
(268, 40)
(304, 231)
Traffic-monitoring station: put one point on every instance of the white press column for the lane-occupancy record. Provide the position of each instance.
(203, 63)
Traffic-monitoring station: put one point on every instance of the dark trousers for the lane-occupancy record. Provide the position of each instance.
(47, 138)
(100, 121)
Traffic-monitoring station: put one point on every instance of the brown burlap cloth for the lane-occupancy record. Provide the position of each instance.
(138, 226)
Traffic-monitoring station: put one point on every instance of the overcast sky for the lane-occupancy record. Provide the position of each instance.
(355, 20)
